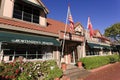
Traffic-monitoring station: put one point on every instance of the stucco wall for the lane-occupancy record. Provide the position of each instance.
(42, 21)
(8, 8)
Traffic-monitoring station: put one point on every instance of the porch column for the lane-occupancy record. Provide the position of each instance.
(1, 56)
(79, 51)
(101, 52)
(56, 56)
(109, 52)
(13, 58)
(83, 50)
(1, 52)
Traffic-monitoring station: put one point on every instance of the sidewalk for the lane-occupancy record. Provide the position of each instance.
(107, 72)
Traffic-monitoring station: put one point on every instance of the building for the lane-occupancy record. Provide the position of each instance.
(97, 45)
(25, 31)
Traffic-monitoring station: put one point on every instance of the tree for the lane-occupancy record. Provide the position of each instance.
(113, 32)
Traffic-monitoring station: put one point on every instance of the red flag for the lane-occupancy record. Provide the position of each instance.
(70, 19)
(89, 26)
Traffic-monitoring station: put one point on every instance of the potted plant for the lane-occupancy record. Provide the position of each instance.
(56, 79)
(79, 64)
(63, 66)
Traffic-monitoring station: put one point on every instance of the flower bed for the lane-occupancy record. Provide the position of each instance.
(18, 70)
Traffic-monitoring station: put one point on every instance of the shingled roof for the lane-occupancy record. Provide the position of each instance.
(53, 26)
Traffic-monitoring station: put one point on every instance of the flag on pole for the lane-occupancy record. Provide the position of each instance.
(89, 26)
(70, 19)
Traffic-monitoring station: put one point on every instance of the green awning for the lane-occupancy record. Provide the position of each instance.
(93, 45)
(106, 46)
(27, 39)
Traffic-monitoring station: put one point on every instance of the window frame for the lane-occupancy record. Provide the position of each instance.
(0, 3)
(25, 11)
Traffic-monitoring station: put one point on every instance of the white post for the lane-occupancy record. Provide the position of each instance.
(62, 59)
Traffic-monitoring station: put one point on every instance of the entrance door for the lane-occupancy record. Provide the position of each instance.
(74, 55)
(71, 55)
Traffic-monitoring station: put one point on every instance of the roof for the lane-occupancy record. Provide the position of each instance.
(40, 5)
(53, 26)
(101, 37)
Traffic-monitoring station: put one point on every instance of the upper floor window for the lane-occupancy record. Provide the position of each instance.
(0, 3)
(26, 12)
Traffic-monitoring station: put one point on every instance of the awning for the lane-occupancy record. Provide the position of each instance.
(27, 39)
(106, 46)
(93, 45)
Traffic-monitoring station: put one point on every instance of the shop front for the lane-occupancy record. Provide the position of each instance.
(72, 47)
(30, 47)
(97, 49)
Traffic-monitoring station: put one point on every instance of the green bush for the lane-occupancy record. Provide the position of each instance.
(97, 61)
(113, 58)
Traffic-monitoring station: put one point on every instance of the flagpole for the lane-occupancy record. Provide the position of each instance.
(64, 34)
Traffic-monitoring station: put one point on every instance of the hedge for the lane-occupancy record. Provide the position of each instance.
(97, 61)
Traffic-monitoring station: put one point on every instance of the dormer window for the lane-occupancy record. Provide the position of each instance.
(0, 3)
(26, 12)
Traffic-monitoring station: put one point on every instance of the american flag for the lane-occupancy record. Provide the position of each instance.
(70, 19)
(89, 26)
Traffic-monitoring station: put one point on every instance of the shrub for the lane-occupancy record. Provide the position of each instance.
(113, 58)
(97, 61)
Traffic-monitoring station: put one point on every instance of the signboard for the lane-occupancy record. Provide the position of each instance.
(32, 42)
(72, 37)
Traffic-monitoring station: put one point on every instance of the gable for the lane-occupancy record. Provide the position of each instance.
(78, 28)
(97, 33)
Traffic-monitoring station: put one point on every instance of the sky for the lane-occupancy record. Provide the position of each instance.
(102, 13)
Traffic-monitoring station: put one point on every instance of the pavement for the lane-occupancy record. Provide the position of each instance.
(107, 72)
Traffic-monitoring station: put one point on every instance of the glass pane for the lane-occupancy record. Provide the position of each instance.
(17, 13)
(35, 19)
(28, 9)
(36, 15)
(0, 4)
(27, 13)
(27, 17)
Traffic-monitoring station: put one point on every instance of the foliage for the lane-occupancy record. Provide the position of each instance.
(113, 32)
(54, 71)
(113, 59)
(97, 61)
(1, 68)
(46, 70)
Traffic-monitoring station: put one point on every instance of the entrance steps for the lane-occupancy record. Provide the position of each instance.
(74, 73)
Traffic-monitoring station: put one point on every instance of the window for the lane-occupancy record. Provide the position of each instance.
(0, 3)
(26, 12)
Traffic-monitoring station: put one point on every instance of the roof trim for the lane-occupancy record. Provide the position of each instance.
(36, 5)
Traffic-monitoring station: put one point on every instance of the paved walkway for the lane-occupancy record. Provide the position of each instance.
(108, 72)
